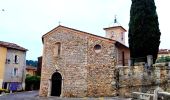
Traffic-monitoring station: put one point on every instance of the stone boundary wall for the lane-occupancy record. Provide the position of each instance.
(159, 94)
(131, 79)
(163, 96)
(142, 96)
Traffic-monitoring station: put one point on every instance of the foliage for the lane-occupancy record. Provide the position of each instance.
(32, 63)
(144, 33)
(163, 59)
(3, 90)
(32, 82)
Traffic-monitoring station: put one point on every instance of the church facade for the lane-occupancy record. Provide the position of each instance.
(80, 64)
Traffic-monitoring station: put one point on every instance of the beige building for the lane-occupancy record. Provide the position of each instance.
(12, 66)
(164, 53)
(31, 70)
(79, 64)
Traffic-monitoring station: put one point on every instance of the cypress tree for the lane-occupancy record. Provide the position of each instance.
(144, 33)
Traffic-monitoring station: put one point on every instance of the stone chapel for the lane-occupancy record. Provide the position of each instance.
(79, 64)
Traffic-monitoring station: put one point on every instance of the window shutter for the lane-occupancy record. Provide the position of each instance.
(17, 59)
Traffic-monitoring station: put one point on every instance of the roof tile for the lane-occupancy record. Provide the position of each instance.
(12, 46)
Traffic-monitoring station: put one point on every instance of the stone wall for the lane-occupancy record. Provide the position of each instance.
(85, 72)
(163, 96)
(122, 51)
(141, 79)
(71, 63)
(100, 68)
(90, 71)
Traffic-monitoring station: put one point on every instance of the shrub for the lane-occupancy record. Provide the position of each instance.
(4, 90)
(32, 82)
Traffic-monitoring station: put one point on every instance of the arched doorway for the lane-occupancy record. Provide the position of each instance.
(56, 84)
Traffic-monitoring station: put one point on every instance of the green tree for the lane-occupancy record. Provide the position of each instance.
(163, 59)
(144, 33)
(32, 82)
(32, 63)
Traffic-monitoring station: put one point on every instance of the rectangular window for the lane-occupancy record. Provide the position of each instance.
(123, 58)
(57, 49)
(122, 36)
(16, 59)
(15, 73)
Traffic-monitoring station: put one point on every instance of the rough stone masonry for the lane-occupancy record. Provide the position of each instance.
(86, 63)
(87, 66)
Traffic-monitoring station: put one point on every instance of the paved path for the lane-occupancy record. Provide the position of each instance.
(33, 95)
(85, 98)
(30, 95)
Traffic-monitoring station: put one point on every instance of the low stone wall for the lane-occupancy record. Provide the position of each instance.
(131, 79)
(142, 96)
(159, 94)
(163, 96)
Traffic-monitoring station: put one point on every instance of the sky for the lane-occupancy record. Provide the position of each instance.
(25, 21)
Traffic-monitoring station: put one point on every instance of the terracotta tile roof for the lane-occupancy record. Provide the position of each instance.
(115, 27)
(164, 51)
(12, 46)
(31, 68)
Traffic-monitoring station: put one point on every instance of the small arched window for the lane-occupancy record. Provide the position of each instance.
(57, 49)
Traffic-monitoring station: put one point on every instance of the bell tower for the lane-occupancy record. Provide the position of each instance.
(116, 32)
